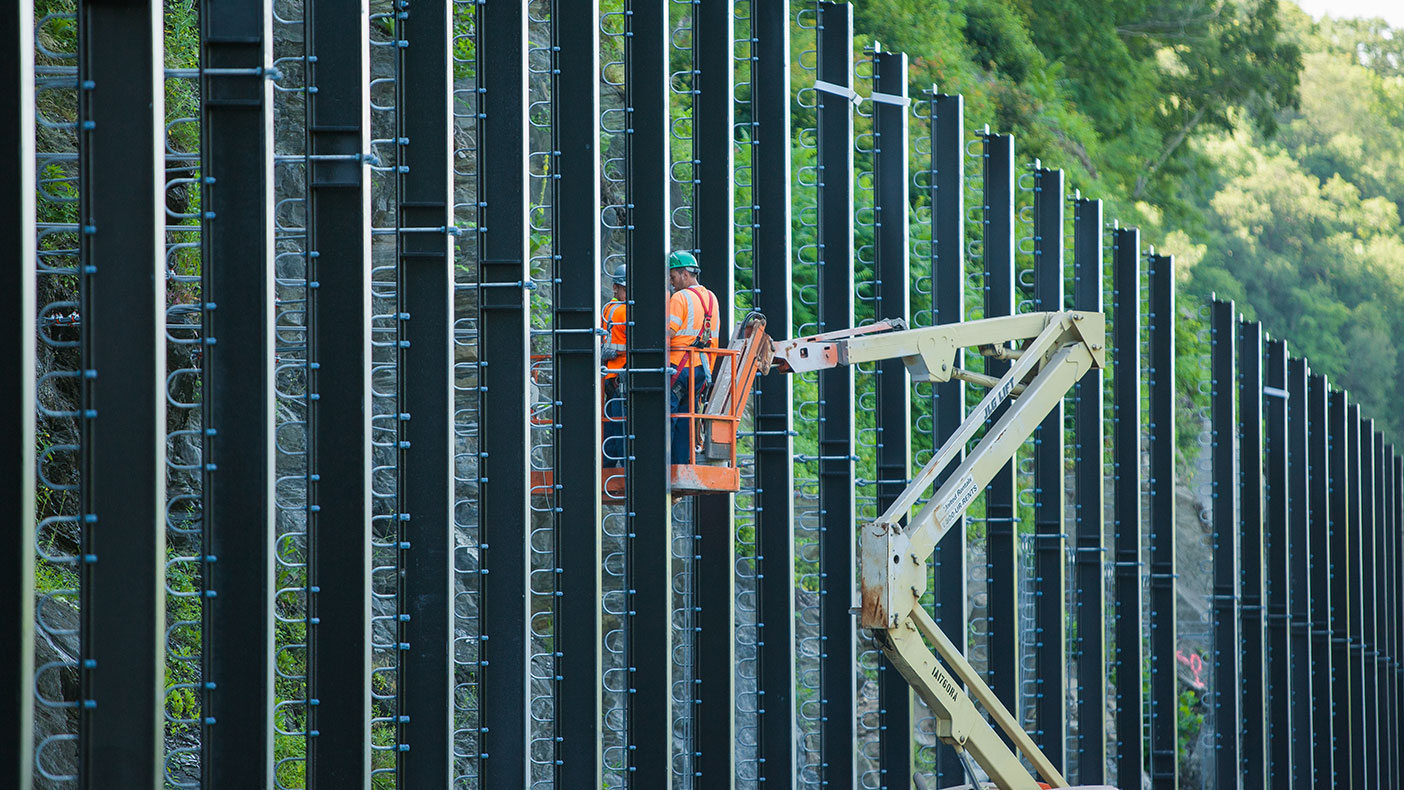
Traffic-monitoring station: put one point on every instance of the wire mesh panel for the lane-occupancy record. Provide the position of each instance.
(467, 381)
(57, 531)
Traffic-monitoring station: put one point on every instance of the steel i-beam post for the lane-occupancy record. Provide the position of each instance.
(339, 423)
(122, 302)
(1224, 472)
(1375, 618)
(1322, 589)
(948, 561)
(646, 469)
(837, 515)
(1299, 570)
(1164, 697)
(1355, 620)
(714, 569)
(1369, 585)
(576, 306)
(1001, 513)
(504, 365)
(1341, 544)
(1389, 613)
(17, 300)
(1050, 647)
(1361, 688)
(1250, 539)
(425, 289)
(774, 446)
(1275, 578)
(238, 380)
(1128, 655)
(891, 299)
(1089, 513)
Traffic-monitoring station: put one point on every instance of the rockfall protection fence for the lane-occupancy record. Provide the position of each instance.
(304, 402)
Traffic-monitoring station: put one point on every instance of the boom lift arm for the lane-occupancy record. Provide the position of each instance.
(1053, 351)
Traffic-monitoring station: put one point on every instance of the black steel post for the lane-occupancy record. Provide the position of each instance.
(1275, 576)
(1089, 514)
(17, 300)
(339, 458)
(1164, 691)
(1376, 656)
(238, 380)
(948, 561)
(837, 515)
(1253, 714)
(714, 569)
(1299, 569)
(1369, 580)
(650, 633)
(1341, 544)
(504, 371)
(122, 498)
(1050, 648)
(1224, 471)
(1355, 628)
(1001, 525)
(893, 417)
(576, 307)
(1127, 656)
(1322, 590)
(774, 473)
(425, 289)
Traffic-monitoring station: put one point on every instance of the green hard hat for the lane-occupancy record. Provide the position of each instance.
(682, 259)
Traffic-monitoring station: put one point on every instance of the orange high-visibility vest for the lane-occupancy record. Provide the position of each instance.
(614, 321)
(690, 310)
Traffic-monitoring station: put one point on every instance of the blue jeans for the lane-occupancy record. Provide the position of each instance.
(677, 399)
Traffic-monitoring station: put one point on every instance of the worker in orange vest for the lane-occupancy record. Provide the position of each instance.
(614, 321)
(692, 325)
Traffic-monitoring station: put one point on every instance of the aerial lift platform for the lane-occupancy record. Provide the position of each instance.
(1049, 352)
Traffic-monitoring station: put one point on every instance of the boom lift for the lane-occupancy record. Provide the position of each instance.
(1050, 352)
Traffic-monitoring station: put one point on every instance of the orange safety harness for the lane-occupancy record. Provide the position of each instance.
(703, 339)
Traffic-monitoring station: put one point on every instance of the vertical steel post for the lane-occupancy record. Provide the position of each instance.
(1396, 506)
(1127, 656)
(837, 515)
(1369, 584)
(1050, 647)
(1275, 577)
(576, 306)
(504, 322)
(1089, 514)
(1374, 602)
(646, 466)
(1253, 714)
(774, 447)
(1224, 427)
(714, 569)
(17, 300)
(948, 561)
(1001, 513)
(893, 419)
(122, 299)
(1362, 614)
(1164, 696)
(339, 459)
(1299, 570)
(425, 289)
(238, 383)
(1340, 569)
(1359, 734)
(1322, 589)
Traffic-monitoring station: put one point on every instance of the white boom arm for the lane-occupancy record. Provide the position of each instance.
(1054, 350)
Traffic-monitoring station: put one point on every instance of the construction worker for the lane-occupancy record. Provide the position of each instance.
(614, 320)
(692, 325)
